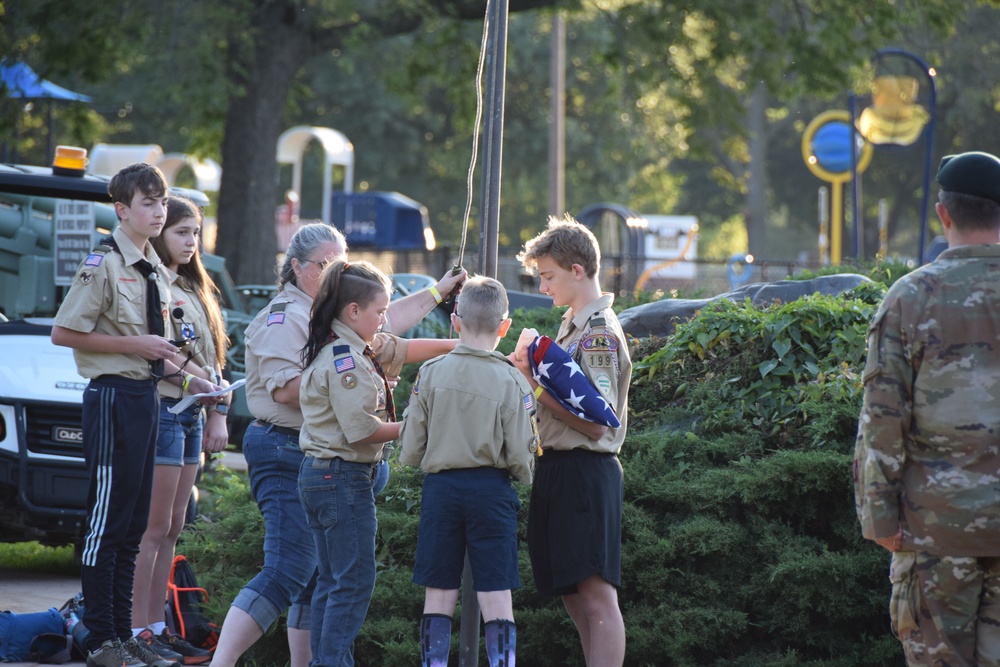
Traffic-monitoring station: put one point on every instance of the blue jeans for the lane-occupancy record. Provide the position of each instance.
(340, 508)
(273, 461)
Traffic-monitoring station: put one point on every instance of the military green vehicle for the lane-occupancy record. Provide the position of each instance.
(48, 223)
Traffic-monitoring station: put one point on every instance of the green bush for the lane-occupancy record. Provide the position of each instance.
(885, 271)
(740, 543)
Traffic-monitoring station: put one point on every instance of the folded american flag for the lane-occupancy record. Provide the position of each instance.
(554, 369)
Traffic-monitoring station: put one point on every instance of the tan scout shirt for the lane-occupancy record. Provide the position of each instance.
(470, 408)
(594, 338)
(193, 321)
(108, 296)
(343, 398)
(274, 342)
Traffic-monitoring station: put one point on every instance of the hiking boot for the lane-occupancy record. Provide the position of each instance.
(112, 654)
(190, 654)
(144, 652)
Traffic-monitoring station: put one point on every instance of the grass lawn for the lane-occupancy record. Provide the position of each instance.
(35, 557)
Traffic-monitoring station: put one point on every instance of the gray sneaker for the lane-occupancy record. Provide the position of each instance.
(112, 654)
(146, 654)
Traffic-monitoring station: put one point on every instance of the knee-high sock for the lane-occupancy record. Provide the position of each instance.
(435, 640)
(501, 643)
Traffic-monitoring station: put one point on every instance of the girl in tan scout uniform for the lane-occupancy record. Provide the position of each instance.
(195, 316)
(348, 416)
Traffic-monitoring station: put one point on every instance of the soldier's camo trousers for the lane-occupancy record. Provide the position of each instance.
(946, 609)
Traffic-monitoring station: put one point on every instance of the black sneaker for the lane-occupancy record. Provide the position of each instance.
(192, 655)
(112, 654)
(144, 652)
(159, 647)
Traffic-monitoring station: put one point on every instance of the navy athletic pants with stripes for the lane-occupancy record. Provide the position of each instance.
(120, 425)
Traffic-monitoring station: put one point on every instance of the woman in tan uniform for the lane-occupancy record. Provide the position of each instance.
(195, 316)
(274, 368)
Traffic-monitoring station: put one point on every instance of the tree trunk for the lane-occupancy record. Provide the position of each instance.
(254, 121)
(756, 207)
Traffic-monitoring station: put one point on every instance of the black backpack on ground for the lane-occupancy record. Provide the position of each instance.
(184, 607)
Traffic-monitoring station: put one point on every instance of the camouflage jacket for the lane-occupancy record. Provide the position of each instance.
(928, 447)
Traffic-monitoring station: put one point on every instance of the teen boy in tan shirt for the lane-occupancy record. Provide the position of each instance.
(575, 516)
(114, 318)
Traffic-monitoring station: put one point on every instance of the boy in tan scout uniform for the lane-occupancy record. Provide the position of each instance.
(114, 318)
(470, 425)
(577, 553)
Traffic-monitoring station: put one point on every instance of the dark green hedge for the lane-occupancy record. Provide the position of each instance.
(740, 543)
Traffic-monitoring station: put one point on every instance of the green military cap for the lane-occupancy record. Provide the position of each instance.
(973, 173)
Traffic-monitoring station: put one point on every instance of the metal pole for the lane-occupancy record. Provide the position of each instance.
(883, 228)
(928, 139)
(855, 181)
(824, 226)
(557, 125)
(928, 156)
(496, 67)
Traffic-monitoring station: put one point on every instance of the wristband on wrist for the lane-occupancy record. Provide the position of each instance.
(435, 293)
(187, 381)
(539, 390)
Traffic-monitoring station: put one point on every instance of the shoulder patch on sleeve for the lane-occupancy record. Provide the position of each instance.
(343, 364)
(341, 349)
(599, 341)
(94, 259)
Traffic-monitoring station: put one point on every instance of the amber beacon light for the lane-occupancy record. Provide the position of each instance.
(69, 161)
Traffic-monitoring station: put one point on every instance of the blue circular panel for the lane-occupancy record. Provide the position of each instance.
(832, 146)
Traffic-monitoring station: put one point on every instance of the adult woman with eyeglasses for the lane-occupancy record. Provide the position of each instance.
(274, 341)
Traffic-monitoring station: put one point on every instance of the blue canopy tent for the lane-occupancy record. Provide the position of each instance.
(21, 82)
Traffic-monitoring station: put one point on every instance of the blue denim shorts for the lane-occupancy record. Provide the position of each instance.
(179, 440)
(474, 509)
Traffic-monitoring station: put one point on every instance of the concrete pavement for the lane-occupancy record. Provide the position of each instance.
(23, 591)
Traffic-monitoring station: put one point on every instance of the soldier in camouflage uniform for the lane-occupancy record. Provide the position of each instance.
(927, 462)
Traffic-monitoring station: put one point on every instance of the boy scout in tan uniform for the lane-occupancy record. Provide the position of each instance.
(470, 425)
(112, 278)
(595, 340)
(575, 516)
(114, 318)
(462, 432)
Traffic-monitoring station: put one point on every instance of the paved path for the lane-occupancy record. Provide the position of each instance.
(23, 591)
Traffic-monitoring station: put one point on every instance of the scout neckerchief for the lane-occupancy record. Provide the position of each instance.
(154, 308)
(390, 408)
